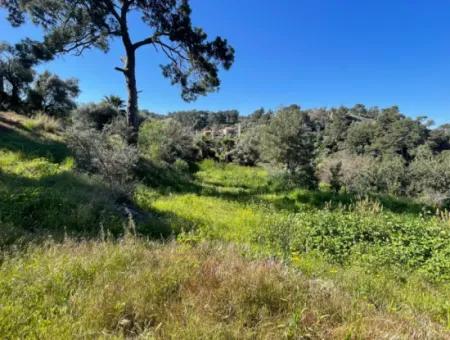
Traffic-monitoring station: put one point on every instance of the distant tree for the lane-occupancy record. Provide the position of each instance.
(195, 120)
(360, 137)
(439, 139)
(146, 114)
(77, 25)
(429, 176)
(248, 148)
(96, 116)
(397, 134)
(231, 116)
(16, 69)
(257, 115)
(336, 129)
(216, 118)
(115, 101)
(290, 141)
(53, 95)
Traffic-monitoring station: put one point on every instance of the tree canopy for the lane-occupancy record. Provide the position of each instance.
(77, 25)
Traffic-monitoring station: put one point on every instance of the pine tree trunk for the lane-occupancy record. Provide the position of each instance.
(132, 103)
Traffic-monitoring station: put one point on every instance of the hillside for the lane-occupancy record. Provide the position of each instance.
(232, 254)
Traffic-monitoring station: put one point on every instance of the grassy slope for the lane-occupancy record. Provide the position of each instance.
(348, 285)
(370, 250)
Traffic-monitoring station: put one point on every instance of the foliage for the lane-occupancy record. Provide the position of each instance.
(41, 195)
(73, 26)
(97, 115)
(16, 70)
(139, 289)
(106, 152)
(430, 176)
(290, 141)
(44, 122)
(165, 141)
(335, 177)
(52, 95)
(360, 262)
(248, 148)
(115, 101)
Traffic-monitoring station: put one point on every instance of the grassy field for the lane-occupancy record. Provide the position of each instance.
(241, 255)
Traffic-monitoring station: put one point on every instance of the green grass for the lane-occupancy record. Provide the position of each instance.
(252, 259)
(372, 249)
(134, 288)
(40, 193)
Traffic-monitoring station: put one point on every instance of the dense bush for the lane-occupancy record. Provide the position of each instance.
(362, 175)
(430, 176)
(97, 115)
(105, 152)
(248, 147)
(166, 141)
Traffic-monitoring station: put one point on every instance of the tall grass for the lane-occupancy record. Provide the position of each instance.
(372, 250)
(340, 267)
(132, 288)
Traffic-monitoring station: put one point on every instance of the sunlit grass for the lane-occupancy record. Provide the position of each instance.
(340, 266)
(132, 288)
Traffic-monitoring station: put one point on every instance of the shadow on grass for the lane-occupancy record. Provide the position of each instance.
(298, 199)
(165, 179)
(32, 146)
(69, 204)
(321, 199)
(55, 205)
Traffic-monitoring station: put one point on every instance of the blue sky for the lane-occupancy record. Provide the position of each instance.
(316, 53)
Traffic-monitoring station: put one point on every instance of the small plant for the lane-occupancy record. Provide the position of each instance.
(336, 177)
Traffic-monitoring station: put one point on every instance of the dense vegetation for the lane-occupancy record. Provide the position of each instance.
(295, 223)
(304, 261)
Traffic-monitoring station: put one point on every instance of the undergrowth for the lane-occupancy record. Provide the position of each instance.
(340, 266)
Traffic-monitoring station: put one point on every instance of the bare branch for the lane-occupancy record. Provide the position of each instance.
(120, 69)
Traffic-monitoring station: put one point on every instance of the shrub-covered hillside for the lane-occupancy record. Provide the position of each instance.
(245, 254)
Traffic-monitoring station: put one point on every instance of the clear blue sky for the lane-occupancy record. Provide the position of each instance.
(316, 53)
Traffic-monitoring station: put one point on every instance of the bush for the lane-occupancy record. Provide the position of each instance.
(206, 147)
(166, 141)
(392, 175)
(97, 115)
(430, 176)
(335, 177)
(106, 152)
(247, 150)
(358, 172)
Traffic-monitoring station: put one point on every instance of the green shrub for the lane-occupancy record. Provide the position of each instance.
(165, 141)
(96, 115)
(105, 153)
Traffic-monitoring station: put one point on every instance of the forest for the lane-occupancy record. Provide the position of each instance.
(288, 222)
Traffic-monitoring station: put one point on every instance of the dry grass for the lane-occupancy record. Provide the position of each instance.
(43, 122)
(137, 289)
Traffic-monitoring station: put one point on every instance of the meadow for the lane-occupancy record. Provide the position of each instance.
(225, 251)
